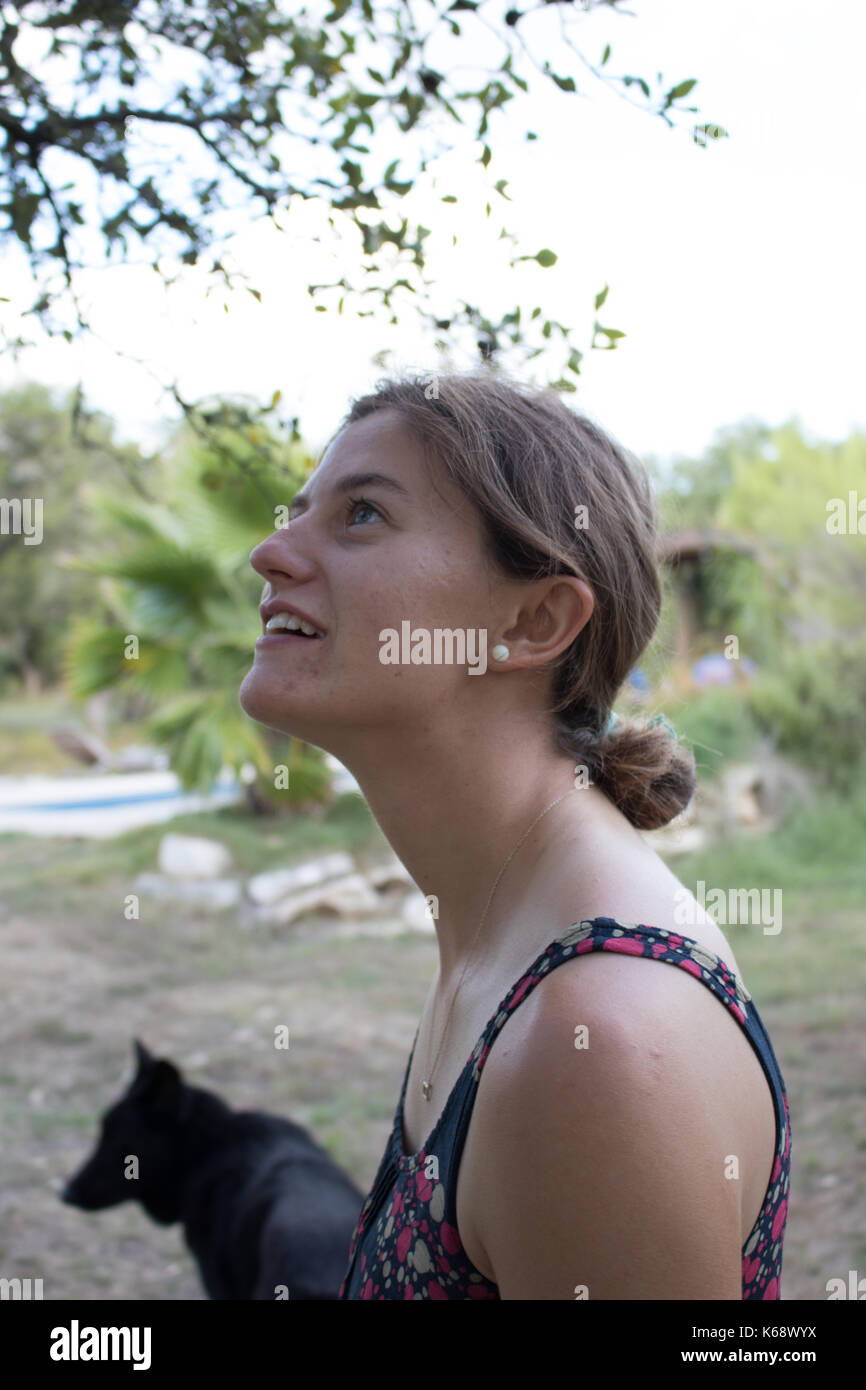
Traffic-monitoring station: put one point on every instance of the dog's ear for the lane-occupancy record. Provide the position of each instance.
(163, 1088)
(142, 1056)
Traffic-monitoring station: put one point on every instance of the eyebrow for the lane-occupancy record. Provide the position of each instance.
(349, 483)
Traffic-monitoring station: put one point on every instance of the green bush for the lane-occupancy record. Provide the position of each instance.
(812, 704)
(717, 725)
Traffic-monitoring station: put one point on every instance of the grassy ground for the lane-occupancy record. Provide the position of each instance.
(809, 983)
(79, 981)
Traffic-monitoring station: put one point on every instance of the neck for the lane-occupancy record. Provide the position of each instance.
(453, 809)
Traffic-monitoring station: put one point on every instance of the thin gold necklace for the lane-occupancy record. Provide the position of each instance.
(427, 1086)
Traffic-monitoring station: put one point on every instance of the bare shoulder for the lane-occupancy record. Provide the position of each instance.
(603, 1160)
(645, 1023)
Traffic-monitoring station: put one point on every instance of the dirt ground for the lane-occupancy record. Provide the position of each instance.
(77, 989)
(78, 981)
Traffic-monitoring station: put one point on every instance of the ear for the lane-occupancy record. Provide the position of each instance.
(142, 1056)
(164, 1088)
(552, 612)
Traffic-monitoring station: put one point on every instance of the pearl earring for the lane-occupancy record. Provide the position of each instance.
(500, 652)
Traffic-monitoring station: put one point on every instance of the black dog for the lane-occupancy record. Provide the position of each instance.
(267, 1213)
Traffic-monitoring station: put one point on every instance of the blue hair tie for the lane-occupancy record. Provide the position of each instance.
(665, 723)
(657, 719)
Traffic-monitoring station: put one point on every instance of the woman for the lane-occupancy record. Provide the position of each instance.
(574, 1121)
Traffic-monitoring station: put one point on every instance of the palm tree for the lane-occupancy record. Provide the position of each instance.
(182, 607)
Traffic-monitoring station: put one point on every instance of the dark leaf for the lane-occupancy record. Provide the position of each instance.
(682, 89)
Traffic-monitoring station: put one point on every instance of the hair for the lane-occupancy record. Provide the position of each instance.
(527, 462)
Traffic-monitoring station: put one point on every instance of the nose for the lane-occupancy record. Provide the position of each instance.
(284, 554)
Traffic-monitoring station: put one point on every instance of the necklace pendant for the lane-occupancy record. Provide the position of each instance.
(427, 1088)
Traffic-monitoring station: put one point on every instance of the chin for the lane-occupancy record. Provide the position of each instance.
(264, 705)
(273, 709)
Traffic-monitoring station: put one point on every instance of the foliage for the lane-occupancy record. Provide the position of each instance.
(178, 580)
(781, 497)
(783, 576)
(813, 704)
(158, 126)
(734, 595)
(716, 725)
(776, 574)
(49, 447)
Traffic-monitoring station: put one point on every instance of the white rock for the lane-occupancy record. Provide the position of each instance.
(188, 856)
(349, 896)
(277, 884)
(215, 892)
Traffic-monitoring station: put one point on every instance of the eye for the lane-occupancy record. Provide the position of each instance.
(353, 503)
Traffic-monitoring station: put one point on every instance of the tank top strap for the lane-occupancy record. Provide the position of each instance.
(625, 938)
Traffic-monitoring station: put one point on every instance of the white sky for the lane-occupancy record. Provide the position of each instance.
(735, 271)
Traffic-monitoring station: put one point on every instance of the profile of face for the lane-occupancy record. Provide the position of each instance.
(359, 555)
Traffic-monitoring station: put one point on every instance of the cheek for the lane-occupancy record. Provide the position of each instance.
(437, 585)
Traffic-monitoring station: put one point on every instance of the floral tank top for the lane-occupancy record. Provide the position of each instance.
(406, 1244)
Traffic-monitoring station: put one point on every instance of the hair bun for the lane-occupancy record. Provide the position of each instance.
(645, 772)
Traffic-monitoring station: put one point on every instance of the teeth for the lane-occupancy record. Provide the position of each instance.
(287, 622)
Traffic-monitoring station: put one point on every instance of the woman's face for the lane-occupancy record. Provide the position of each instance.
(406, 553)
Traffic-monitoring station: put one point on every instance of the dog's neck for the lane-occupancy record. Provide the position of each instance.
(202, 1119)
